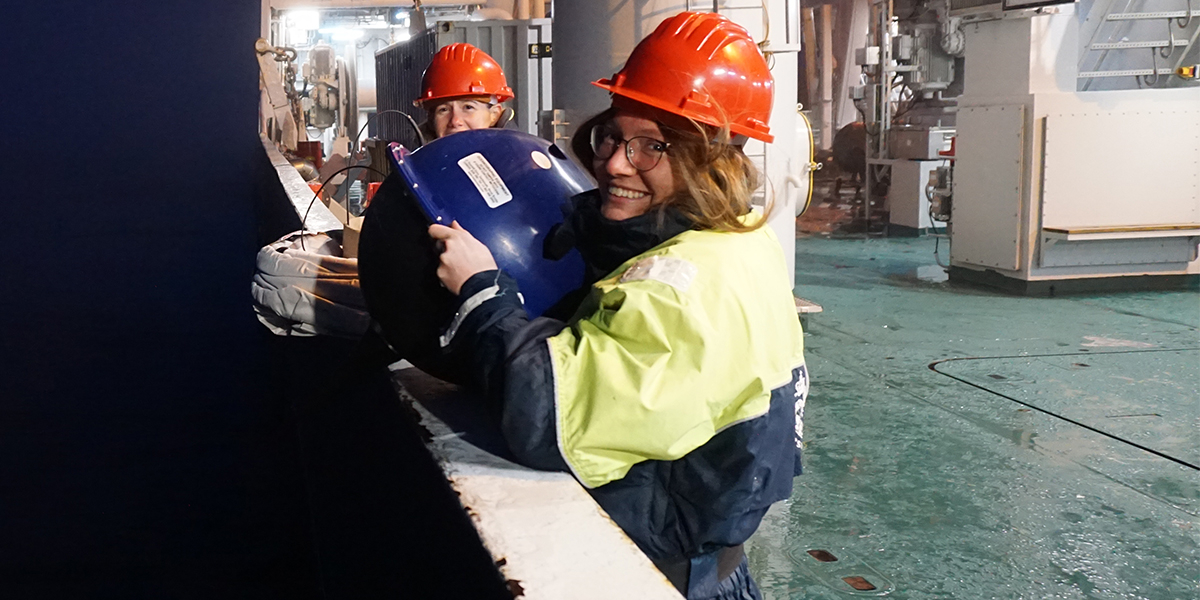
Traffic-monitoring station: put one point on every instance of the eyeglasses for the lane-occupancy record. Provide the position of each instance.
(644, 153)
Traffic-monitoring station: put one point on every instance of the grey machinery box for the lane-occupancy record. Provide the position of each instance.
(521, 47)
(919, 143)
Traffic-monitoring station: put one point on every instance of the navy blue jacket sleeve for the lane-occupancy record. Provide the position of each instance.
(511, 365)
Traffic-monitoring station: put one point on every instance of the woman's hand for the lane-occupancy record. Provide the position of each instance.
(462, 255)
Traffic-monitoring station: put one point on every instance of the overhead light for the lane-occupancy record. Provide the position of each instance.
(304, 19)
(342, 34)
(296, 36)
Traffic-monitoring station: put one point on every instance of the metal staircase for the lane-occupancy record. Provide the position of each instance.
(1168, 38)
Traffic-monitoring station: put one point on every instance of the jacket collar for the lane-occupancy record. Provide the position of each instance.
(605, 244)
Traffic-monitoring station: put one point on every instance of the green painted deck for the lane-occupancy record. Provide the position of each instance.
(1056, 457)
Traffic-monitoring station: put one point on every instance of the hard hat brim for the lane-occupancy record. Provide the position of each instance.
(607, 84)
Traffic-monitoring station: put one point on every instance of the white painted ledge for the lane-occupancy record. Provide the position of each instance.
(1120, 233)
(320, 219)
(542, 529)
(805, 306)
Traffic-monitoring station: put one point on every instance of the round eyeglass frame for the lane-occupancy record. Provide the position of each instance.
(598, 137)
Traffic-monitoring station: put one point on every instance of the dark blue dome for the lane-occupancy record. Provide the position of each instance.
(507, 188)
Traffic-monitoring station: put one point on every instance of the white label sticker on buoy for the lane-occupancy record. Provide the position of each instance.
(486, 180)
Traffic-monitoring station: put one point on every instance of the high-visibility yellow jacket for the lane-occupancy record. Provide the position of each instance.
(675, 394)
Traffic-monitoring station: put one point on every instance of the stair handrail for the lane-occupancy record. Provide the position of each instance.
(1191, 41)
(1120, 27)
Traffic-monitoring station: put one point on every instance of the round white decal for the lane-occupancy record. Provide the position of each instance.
(540, 159)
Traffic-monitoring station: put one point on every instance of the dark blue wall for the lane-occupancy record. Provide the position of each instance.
(143, 450)
(155, 440)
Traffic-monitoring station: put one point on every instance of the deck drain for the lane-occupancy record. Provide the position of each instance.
(835, 567)
(1080, 365)
(859, 583)
(995, 376)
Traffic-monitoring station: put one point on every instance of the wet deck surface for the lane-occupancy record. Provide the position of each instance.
(1059, 460)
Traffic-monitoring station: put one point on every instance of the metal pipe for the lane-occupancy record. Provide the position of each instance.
(826, 86)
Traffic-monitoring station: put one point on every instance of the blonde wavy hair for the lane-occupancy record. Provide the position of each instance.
(715, 180)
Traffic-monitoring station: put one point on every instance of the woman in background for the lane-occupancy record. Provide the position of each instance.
(462, 89)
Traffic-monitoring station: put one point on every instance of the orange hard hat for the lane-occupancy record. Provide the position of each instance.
(463, 70)
(704, 67)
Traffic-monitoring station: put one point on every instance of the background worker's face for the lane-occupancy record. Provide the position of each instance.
(461, 114)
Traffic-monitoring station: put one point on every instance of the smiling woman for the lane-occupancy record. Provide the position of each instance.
(711, 180)
(672, 385)
(631, 181)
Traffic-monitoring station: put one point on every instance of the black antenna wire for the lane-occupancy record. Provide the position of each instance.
(933, 367)
(317, 196)
(411, 121)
